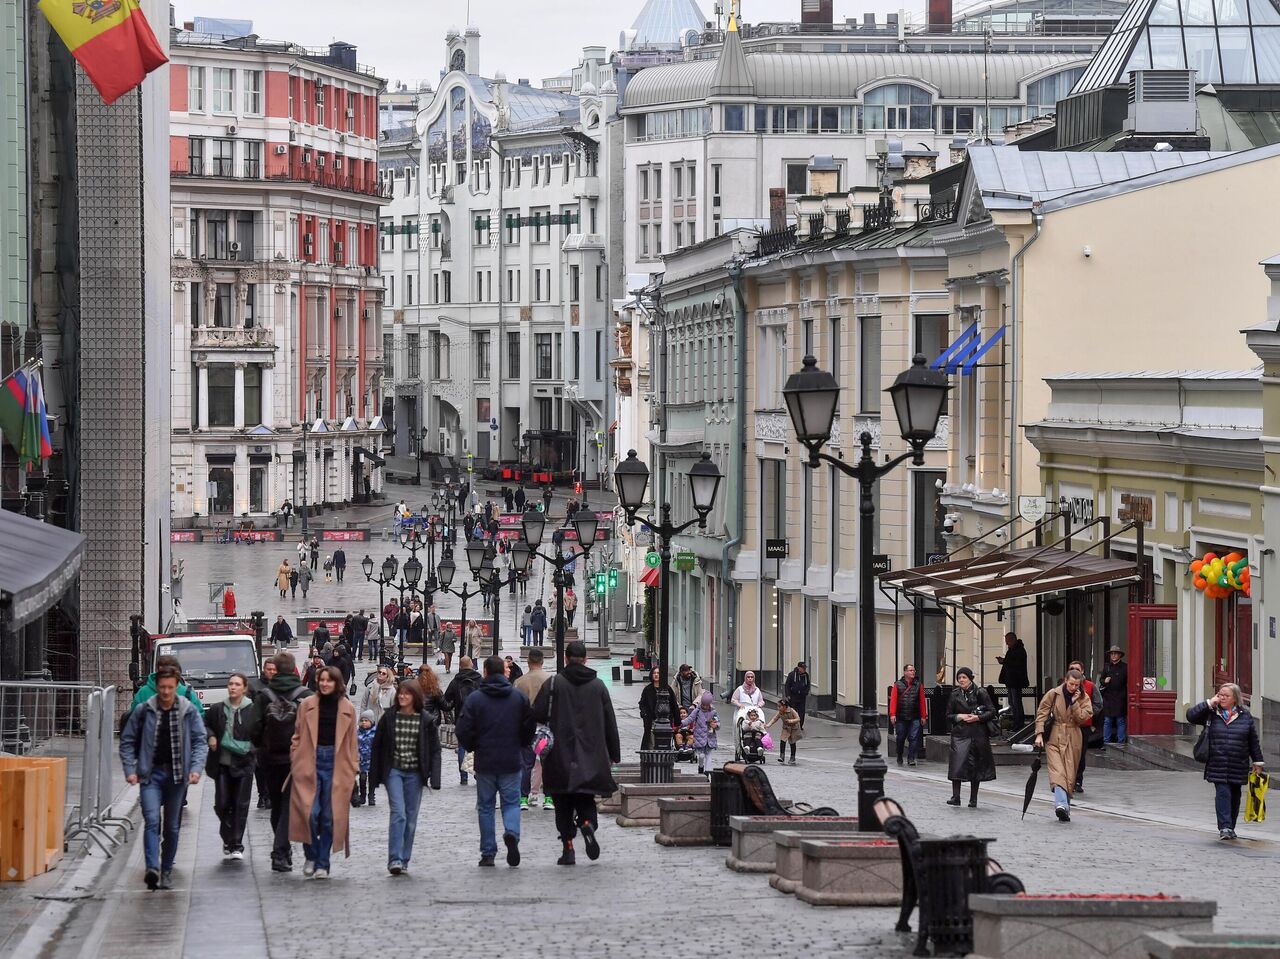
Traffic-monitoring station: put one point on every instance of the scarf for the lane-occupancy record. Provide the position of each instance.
(237, 747)
(175, 742)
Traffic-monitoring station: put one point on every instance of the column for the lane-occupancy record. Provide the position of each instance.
(202, 395)
(239, 396)
(268, 395)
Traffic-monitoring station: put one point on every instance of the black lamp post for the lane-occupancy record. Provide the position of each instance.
(386, 576)
(533, 524)
(631, 479)
(477, 551)
(919, 397)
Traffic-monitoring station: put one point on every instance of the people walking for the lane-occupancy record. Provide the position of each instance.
(688, 687)
(649, 707)
(466, 682)
(325, 761)
(364, 747)
(970, 711)
(431, 628)
(328, 568)
(273, 721)
(149, 688)
(497, 725)
(231, 764)
(293, 583)
(406, 759)
(1234, 749)
(1088, 731)
(257, 685)
(703, 724)
(1071, 711)
(377, 698)
(1115, 697)
(546, 499)
(305, 576)
(908, 711)
(531, 684)
(792, 730)
(538, 622)
(359, 632)
(526, 627)
(163, 749)
(579, 766)
(748, 694)
(473, 638)
(282, 578)
(520, 499)
(796, 689)
(281, 633)
(1013, 677)
(570, 605)
(314, 549)
(448, 643)
(339, 563)
(304, 551)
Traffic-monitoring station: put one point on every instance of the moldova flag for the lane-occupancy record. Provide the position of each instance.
(23, 416)
(111, 40)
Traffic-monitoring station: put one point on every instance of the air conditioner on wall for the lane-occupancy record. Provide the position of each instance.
(234, 247)
(306, 156)
(337, 163)
(231, 129)
(351, 113)
(281, 149)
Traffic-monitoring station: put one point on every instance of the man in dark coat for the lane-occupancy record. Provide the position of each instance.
(497, 724)
(271, 731)
(464, 683)
(797, 689)
(520, 498)
(1013, 677)
(339, 563)
(1115, 697)
(281, 634)
(578, 767)
(908, 711)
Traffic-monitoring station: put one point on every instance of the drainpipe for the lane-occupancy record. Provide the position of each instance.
(1015, 314)
(738, 470)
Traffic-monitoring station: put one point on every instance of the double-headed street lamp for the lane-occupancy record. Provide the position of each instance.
(385, 577)
(480, 558)
(533, 524)
(919, 397)
(410, 576)
(631, 479)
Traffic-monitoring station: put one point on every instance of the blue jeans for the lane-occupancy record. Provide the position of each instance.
(322, 811)
(1118, 725)
(1061, 798)
(161, 800)
(488, 787)
(907, 732)
(526, 774)
(524, 635)
(462, 753)
(1226, 802)
(404, 793)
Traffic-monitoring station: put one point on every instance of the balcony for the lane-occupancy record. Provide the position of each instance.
(233, 338)
(297, 173)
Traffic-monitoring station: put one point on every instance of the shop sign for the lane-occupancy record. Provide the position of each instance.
(1032, 508)
(880, 564)
(686, 561)
(652, 560)
(1135, 508)
(775, 549)
(1082, 509)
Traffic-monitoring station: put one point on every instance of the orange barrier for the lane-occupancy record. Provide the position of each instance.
(33, 795)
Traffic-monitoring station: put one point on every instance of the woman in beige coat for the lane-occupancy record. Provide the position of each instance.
(1071, 710)
(325, 763)
(282, 578)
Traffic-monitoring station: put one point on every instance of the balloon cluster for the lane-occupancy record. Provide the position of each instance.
(1220, 576)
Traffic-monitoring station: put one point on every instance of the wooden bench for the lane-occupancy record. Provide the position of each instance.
(760, 797)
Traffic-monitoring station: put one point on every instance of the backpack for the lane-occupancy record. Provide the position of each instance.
(466, 686)
(281, 718)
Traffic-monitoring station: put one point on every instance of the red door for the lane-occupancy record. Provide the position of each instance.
(1153, 647)
(1233, 659)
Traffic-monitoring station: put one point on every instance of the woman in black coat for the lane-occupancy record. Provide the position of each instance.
(1233, 748)
(971, 760)
(649, 707)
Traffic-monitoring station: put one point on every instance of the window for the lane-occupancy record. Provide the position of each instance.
(447, 278)
(223, 157)
(545, 420)
(253, 92)
(386, 235)
(479, 286)
(735, 118)
(481, 349)
(869, 365)
(513, 285)
(222, 305)
(657, 183)
(537, 286)
(797, 179)
(197, 302)
(657, 239)
(250, 305)
(410, 231)
(408, 289)
(439, 355)
(927, 541)
(930, 335)
(195, 89)
(542, 356)
(481, 231)
(644, 183)
(541, 226)
(599, 354)
(691, 181)
(388, 353)
(599, 282)
(435, 287)
(575, 283)
(415, 355)
(222, 394)
(223, 90)
(389, 285)
(253, 159)
(351, 111)
(252, 395)
(956, 120)
(576, 340)
(679, 235)
(195, 155)
(513, 355)
(558, 354)
(511, 224)
(257, 489)
(897, 106)
(1044, 94)
(644, 241)
(677, 182)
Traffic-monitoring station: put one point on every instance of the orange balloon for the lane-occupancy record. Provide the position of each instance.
(1197, 565)
(1232, 558)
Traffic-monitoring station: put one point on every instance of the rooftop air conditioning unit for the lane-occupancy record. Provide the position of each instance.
(1162, 101)
(231, 129)
(281, 149)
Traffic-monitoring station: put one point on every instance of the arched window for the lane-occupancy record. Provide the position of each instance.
(1044, 94)
(897, 106)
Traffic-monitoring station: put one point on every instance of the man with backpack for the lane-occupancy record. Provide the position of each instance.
(272, 718)
(466, 682)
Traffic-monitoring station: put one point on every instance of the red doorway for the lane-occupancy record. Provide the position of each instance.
(1233, 643)
(1153, 648)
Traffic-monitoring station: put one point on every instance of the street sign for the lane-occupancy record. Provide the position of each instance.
(652, 560)
(880, 564)
(1032, 508)
(775, 549)
(686, 561)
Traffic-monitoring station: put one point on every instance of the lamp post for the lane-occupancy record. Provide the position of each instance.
(919, 397)
(631, 479)
(533, 524)
(478, 552)
(386, 575)
(420, 437)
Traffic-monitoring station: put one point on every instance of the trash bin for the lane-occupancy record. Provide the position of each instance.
(726, 800)
(939, 697)
(951, 868)
(657, 766)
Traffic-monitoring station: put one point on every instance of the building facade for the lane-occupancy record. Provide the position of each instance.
(276, 299)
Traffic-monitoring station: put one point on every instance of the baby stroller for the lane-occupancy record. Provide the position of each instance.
(750, 746)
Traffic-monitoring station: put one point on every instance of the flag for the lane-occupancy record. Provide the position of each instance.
(110, 39)
(23, 416)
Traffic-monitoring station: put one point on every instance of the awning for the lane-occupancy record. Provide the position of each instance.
(37, 564)
(962, 356)
(370, 455)
(652, 576)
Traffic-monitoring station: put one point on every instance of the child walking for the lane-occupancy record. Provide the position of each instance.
(791, 731)
(364, 743)
(703, 724)
(328, 569)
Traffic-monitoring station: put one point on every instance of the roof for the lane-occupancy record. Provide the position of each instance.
(838, 76)
(661, 22)
(1148, 375)
(37, 565)
(732, 77)
(530, 106)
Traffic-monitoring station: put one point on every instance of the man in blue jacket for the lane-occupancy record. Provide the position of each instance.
(497, 724)
(163, 748)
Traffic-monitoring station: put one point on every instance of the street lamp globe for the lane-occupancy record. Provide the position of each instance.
(521, 554)
(919, 397)
(704, 484)
(631, 478)
(812, 396)
(476, 550)
(390, 566)
(445, 570)
(534, 522)
(366, 564)
(412, 571)
(586, 523)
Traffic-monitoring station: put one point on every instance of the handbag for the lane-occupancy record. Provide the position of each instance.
(1255, 807)
(469, 762)
(543, 737)
(449, 735)
(1201, 749)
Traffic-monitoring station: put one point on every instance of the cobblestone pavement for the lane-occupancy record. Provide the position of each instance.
(641, 899)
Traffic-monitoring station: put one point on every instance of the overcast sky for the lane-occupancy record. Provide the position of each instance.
(524, 38)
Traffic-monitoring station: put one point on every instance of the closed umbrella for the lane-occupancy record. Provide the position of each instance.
(1031, 784)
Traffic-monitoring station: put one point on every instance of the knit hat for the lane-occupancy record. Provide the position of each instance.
(367, 714)
(965, 671)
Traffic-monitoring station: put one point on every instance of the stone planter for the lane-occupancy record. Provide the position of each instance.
(850, 872)
(630, 774)
(1192, 945)
(684, 821)
(640, 800)
(788, 867)
(751, 846)
(1038, 927)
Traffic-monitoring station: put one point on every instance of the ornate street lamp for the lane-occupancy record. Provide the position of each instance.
(533, 524)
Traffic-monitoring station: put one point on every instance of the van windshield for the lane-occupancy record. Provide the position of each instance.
(210, 662)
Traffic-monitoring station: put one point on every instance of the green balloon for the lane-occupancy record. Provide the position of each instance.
(1162, 682)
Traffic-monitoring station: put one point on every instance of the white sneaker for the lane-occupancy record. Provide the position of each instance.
(226, 854)
(237, 855)
(309, 868)
(320, 874)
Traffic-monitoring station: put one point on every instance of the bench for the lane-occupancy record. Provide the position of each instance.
(939, 875)
(760, 798)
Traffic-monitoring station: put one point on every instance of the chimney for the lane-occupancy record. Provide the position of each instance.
(777, 208)
(939, 16)
(824, 175)
(817, 11)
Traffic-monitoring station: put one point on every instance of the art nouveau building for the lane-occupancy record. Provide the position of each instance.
(276, 297)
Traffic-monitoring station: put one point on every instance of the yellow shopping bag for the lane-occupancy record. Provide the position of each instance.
(1255, 809)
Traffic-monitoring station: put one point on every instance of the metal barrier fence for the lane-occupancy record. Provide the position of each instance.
(75, 721)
